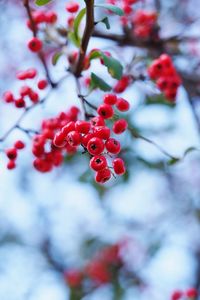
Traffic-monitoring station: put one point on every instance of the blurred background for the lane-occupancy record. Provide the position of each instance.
(54, 222)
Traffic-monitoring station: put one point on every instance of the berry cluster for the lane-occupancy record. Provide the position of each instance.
(12, 153)
(95, 137)
(47, 155)
(99, 271)
(144, 23)
(189, 294)
(164, 73)
(25, 91)
(41, 17)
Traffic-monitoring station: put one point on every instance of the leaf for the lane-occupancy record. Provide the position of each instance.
(114, 66)
(188, 150)
(106, 22)
(72, 38)
(95, 54)
(42, 2)
(56, 57)
(96, 81)
(116, 10)
(77, 22)
(173, 161)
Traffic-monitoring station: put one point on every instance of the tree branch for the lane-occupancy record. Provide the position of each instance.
(86, 36)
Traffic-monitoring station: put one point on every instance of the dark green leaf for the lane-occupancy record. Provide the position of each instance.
(56, 57)
(98, 82)
(42, 2)
(116, 10)
(106, 22)
(114, 66)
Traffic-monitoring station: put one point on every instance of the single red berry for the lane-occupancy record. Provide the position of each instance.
(74, 138)
(110, 99)
(122, 84)
(73, 278)
(35, 44)
(105, 111)
(177, 295)
(51, 17)
(19, 145)
(72, 7)
(98, 162)
(95, 146)
(11, 153)
(82, 126)
(39, 16)
(11, 165)
(20, 103)
(34, 97)
(113, 146)
(102, 132)
(97, 121)
(31, 73)
(122, 104)
(86, 138)
(59, 139)
(70, 126)
(192, 293)
(25, 90)
(103, 175)
(119, 167)
(8, 97)
(42, 84)
(120, 126)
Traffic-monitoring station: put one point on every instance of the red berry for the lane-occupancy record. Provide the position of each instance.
(72, 7)
(176, 295)
(120, 126)
(82, 126)
(192, 293)
(11, 165)
(110, 99)
(25, 90)
(105, 111)
(31, 73)
(95, 146)
(11, 153)
(20, 103)
(51, 17)
(74, 138)
(97, 121)
(59, 139)
(98, 163)
(118, 165)
(86, 138)
(103, 175)
(73, 278)
(113, 146)
(122, 104)
(34, 97)
(122, 84)
(35, 44)
(102, 132)
(68, 127)
(8, 97)
(42, 84)
(19, 145)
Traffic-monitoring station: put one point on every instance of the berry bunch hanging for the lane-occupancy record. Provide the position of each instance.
(165, 75)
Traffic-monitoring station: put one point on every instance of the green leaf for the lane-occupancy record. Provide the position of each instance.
(114, 66)
(77, 22)
(190, 149)
(106, 22)
(95, 54)
(42, 2)
(56, 57)
(98, 82)
(173, 161)
(73, 39)
(116, 10)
